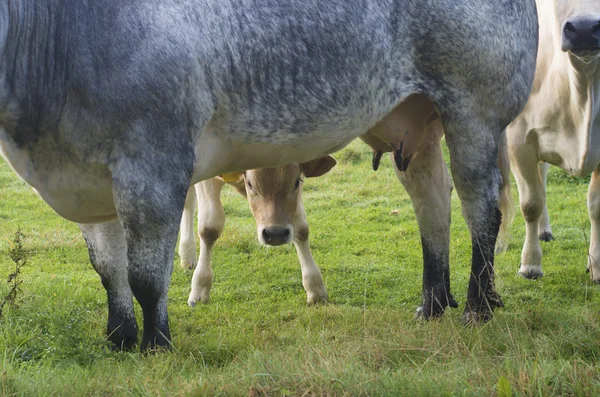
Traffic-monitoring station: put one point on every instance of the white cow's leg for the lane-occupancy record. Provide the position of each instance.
(187, 242)
(593, 201)
(311, 275)
(108, 254)
(545, 231)
(428, 184)
(211, 221)
(532, 199)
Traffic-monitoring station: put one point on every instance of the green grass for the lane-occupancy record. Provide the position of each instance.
(258, 337)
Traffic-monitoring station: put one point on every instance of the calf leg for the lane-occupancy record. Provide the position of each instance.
(149, 192)
(211, 221)
(473, 148)
(532, 198)
(428, 185)
(108, 254)
(593, 201)
(311, 275)
(545, 232)
(187, 241)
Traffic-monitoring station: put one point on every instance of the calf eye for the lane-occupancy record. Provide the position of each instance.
(249, 184)
(297, 184)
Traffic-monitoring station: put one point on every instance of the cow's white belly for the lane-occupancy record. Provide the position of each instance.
(79, 193)
(216, 155)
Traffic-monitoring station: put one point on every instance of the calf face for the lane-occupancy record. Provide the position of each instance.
(273, 195)
(579, 24)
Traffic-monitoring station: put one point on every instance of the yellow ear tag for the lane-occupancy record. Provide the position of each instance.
(232, 177)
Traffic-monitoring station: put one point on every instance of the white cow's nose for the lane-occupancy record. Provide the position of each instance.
(581, 34)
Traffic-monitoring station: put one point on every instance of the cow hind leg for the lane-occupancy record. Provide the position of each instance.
(593, 202)
(149, 193)
(532, 199)
(473, 148)
(211, 221)
(428, 184)
(108, 254)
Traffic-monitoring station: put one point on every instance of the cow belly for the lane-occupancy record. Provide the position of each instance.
(79, 193)
(80, 203)
(216, 156)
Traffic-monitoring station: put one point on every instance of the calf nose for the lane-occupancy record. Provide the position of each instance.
(581, 33)
(276, 235)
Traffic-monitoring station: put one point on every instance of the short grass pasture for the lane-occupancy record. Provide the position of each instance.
(257, 337)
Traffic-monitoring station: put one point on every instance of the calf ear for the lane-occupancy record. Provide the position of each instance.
(317, 167)
(232, 177)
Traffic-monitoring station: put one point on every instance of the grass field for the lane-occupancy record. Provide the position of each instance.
(257, 336)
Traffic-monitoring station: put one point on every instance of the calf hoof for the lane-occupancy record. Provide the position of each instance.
(482, 312)
(546, 236)
(531, 272)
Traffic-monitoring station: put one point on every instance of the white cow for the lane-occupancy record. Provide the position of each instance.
(275, 198)
(560, 124)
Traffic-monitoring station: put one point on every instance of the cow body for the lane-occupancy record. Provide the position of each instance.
(110, 110)
(560, 125)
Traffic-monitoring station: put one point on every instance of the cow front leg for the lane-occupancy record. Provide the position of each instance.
(187, 241)
(211, 221)
(108, 254)
(149, 195)
(593, 202)
(428, 184)
(474, 152)
(312, 280)
(532, 199)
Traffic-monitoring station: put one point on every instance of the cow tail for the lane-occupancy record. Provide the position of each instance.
(506, 202)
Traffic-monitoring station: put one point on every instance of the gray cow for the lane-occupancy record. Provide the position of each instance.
(112, 109)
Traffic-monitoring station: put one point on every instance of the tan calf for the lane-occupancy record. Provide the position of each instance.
(275, 198)
(560, 124)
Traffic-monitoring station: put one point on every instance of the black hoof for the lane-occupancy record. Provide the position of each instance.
(123, 338)
(155, 342)
(546, 236)
(433, 307)
(482, 312)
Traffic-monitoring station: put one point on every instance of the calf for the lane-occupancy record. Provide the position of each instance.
(112, 109)
(560, 124)
(275, 198)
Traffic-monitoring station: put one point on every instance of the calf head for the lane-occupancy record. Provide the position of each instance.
(579, 24)
(274, 196)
